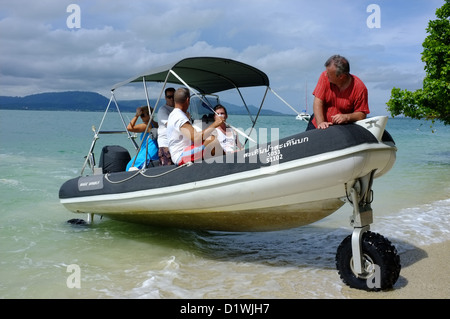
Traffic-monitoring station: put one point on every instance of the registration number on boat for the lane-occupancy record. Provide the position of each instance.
(274, 156)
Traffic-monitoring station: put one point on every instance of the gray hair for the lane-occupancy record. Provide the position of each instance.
(341, 63)
(181, 95)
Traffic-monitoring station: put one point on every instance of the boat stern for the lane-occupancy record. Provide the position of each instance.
(375, 125)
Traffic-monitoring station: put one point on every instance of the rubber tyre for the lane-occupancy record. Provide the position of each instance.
(377, 250)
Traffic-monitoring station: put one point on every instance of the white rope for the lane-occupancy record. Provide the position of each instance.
(142, 171)
(284, 101)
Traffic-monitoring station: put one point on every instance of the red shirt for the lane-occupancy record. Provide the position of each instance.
(352, 99)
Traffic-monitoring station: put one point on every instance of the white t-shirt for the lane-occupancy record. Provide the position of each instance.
(177, 141)
(163, 116)
(228, 141)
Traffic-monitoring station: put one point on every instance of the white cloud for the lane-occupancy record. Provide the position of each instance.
(289, 40)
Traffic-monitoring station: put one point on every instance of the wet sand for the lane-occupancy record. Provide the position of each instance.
(425, 274)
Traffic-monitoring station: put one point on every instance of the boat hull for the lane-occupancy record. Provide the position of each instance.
(269, 187)
(254, 220)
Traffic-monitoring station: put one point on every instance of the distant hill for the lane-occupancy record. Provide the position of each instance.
(61, 101)
(91, 101)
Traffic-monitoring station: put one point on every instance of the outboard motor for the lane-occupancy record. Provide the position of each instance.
(114, 158)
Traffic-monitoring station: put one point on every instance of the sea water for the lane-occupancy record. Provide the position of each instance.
(40, 252)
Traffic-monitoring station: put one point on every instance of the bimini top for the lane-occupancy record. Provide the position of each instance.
(205, 74)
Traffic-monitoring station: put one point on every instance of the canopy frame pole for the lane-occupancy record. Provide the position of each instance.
(89, 156)
(123, 121)
(246, 107)
(284, 101)
(145, 140)
(193, 91)
(259, 111)
(160, 94)
(147, 99)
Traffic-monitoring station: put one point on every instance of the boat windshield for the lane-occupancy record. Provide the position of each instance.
(201, 107)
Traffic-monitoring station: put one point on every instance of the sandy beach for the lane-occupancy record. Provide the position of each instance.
(425, 274)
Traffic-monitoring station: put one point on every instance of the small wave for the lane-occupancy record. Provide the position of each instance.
(9, 182)
(153, 286)
(423, 225)
(13, 184)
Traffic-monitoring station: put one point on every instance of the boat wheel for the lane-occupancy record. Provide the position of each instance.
(381, 264)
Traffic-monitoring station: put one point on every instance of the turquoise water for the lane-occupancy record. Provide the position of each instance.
(39, 150)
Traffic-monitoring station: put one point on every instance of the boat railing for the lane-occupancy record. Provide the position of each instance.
(116, 132)
(89, 158)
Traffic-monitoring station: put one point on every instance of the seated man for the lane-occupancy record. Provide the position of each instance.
(185, 143)
(163, 116)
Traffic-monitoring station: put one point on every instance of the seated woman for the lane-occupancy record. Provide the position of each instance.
(227, 137)
(149, 146)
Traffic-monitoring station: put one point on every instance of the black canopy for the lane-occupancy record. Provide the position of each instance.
(205, 74)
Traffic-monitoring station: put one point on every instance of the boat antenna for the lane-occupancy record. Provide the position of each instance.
(306, 96)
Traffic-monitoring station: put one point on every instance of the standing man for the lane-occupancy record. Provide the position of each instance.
(340, 97)
(163, 116)
(185, 143)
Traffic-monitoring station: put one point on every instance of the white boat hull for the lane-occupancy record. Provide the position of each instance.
(279, 196)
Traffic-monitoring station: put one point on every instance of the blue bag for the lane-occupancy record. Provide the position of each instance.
(151, 151)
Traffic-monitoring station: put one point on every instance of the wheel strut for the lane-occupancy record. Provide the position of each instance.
(90, 218)
(361, 199)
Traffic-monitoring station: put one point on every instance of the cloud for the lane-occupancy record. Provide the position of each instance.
(289, 40)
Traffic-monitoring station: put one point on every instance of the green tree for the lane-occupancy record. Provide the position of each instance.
(432, 102)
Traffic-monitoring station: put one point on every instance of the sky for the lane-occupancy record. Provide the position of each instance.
(46, 46)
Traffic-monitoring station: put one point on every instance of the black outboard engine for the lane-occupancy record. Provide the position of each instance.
(114, 158)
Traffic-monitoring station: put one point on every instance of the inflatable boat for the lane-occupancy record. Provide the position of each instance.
(275, 185)
(297, 181)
